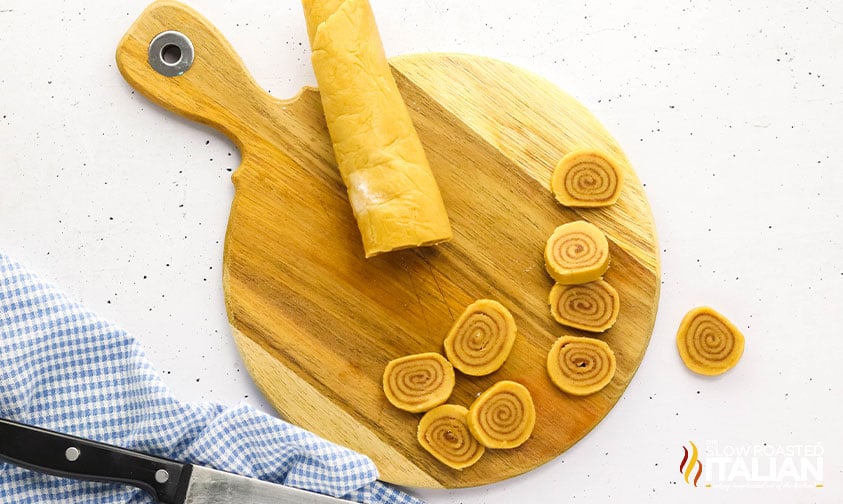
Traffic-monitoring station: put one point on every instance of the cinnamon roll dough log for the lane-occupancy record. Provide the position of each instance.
(391, 187)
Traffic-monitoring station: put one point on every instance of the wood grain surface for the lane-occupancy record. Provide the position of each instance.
(316, 323)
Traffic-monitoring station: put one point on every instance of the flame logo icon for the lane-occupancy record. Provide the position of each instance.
(686, 467)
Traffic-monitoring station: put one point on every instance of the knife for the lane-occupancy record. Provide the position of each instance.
(168, 481)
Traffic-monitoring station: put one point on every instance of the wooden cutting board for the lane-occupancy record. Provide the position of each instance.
(316, 322)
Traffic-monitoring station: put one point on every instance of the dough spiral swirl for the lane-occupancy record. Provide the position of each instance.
(503, 416)
(417, 383)
(580, 366)
(481, 339)
(587, 178)
(443, 432)
(576, 253)
(708, 343)
(592, 306)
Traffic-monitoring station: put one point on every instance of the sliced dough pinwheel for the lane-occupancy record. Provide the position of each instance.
(580, 366)
(708, 343)
(417, 383)
(443, 432)
(503, 416)
(576, 252)
(592, 306)
(587, 178)
(482, 337)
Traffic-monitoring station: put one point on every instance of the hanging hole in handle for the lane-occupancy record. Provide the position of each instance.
(170, 53)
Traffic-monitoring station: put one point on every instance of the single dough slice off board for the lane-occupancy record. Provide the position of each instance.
(316, 322)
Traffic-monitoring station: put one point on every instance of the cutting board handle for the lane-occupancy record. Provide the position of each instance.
(215, 89)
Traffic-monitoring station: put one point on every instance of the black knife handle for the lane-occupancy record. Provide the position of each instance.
(72, 457)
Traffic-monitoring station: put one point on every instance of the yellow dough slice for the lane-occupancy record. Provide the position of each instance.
(708, 343)
(481, 339)
(592, 306)
(417, 383)
(580, 366)
(576, 253)
(587, 178)
(391, 187)
(503, 416)
(444, 433)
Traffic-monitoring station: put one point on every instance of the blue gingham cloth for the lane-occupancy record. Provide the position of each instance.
(65, 369)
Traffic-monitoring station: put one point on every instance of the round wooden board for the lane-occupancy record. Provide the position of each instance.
(316, 322)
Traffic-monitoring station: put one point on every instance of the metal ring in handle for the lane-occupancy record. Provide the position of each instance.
(171, 53)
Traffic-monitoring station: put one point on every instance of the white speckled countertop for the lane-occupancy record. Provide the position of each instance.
(731, 113)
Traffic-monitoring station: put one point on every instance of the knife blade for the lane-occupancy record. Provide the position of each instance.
(168, 481)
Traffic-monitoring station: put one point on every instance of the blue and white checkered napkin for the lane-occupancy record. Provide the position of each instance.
(63, 368)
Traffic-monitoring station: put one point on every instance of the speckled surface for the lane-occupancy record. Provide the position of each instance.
(732, 115)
